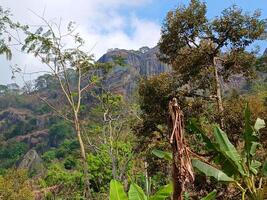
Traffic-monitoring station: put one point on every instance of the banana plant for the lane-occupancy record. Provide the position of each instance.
(168, 156)
(232, 166)
(136, 192)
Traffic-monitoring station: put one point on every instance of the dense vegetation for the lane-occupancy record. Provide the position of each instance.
(68, 136)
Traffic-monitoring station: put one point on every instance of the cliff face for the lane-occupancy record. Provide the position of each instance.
(144, 63)
(141, 63)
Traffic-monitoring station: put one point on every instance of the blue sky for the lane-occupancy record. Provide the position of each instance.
(156, 10)
(105, 24)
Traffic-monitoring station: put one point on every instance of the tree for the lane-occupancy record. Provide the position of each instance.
(203, 51)
(74, 70)
(3, 89)
(46, 81)
(113, 117)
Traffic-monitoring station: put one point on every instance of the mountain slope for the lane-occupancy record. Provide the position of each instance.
(141, 63)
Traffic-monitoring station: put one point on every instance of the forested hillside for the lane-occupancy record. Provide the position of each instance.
(183, 120)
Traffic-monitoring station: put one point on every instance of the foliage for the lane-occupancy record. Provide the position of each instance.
(136, 193)
(190, 41)
(204, 52)
(15, 185)
(117, 191)
(240, 169)
(71, 181)
(74, 89)
(68, 147)
(11, 153)
(5, 22)
(58, 132)
(100, 164)
(210, 196)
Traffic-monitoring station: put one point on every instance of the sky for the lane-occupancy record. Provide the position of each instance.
(106, 24)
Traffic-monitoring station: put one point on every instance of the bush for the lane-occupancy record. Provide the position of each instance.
(15, 186)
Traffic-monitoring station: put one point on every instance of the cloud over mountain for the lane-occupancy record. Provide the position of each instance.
(103, 24)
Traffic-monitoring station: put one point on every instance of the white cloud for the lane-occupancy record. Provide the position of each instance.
(100, 23)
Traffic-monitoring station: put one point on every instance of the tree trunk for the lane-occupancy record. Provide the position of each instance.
(218, 93)
(111, 152)
(87, 189)
(182, 173)
(177, 185)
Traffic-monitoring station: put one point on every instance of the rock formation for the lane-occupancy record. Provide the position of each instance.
(141, 63)
(32, 162)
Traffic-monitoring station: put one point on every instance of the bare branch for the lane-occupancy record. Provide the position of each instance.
(55, 110)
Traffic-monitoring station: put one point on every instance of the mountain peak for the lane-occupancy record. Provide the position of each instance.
(139, 63)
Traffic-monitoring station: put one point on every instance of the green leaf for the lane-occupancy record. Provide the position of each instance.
(249, 135)
(162, 154)
(228, 150)
(186, 196)
(210, 196)
(211, 171)
(196, 129)
(163, 193)
(264, 168)
(225, 164)
(259, 124)
(253, 148)
(255, 165)
(95, 79)
(116, 191)
(74, 94)
(136, 193)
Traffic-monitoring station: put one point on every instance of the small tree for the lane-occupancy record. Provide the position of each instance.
(74, 70)
(202, 51)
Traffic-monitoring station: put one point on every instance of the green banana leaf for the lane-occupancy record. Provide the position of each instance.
(136, 193)
(196, 129)
(259, 124)
(163, 193)
(116, 191)
(210, 196)
(250, 136)
(228, 150)
(162, 154)
(254, 167)
(225, 164)
(211, 171)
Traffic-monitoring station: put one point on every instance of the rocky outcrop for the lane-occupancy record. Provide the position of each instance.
(141, 63)
(14, 115)
(32, 162)
(238, 82)
(34, 138)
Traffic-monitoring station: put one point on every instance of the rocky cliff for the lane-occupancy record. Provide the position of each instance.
(141, 63)
(144, 63)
